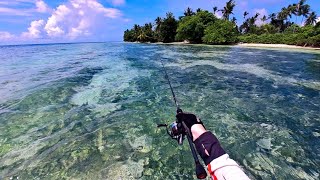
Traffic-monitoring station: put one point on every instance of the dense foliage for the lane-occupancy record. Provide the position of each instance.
(304, 36)
(204, 27)
(192, 28)
(168, 28)
(221, 32)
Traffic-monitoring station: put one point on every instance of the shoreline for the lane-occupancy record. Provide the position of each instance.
(275, 46)
(255, 45)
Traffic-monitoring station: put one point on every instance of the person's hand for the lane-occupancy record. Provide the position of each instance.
(194, 124)
(188, 118)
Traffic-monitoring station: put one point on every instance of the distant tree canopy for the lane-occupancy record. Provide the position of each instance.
(192, 28)
(202, 26)
(221, 32)
(168, 28)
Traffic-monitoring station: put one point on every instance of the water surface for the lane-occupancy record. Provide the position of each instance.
(89, 111)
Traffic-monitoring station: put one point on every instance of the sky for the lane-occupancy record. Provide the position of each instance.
(56, 21)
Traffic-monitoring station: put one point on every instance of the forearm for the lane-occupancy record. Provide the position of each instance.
(220, 166)
(208, 146)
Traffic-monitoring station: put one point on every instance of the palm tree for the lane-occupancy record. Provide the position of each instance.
(169, 15)
(199, 9)
(228, 9)
(245, 14)
(264, 19)
(137, 30)
(252, 20)
(215, 10)
(142, 36)
(283, 14)
(244, 28)
(158, 23)
(300, 9)
(256, 15)
(234, 20)
(282, 19)
(312, 19)
(188, 12)
(272, 16)
(305, 10)
(292, 10)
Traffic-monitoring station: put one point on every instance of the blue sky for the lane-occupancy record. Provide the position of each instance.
(47, 21)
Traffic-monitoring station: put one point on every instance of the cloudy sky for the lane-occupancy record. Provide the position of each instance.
(48, 21)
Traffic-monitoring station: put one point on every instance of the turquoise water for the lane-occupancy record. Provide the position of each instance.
(89, 111)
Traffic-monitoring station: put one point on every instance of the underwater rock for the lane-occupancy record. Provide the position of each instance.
(316, 134)
(142, 144)
(99, 141)
(265, 144)
(260, 164)
(148, 172)
(267, 126)
(127, 170)
(104, 110)
(156, 155)
(88, 96)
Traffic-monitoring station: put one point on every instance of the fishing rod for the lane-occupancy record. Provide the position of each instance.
(178, 130)
(173, 95)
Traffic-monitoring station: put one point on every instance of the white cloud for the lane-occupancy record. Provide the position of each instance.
(73, 20)
(262, 12)
(117, 2)
(15, 2)
(4, 36)
(13, 7)
(59, 15)
(218, 14)
(42, 7)
(34, 31)
(318, 19)
(77, 18)
(15, 12)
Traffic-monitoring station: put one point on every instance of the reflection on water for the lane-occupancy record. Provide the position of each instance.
(88, 111)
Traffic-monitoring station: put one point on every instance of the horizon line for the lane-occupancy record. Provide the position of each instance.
(53, 43)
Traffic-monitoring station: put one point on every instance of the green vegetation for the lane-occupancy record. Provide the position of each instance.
(221, 32)
(192, 27)
(204, 27)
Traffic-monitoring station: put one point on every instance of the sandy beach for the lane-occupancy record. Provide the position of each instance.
(275, 46)
(252, 45)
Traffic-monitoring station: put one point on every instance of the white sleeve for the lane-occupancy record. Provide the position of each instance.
(224, 168)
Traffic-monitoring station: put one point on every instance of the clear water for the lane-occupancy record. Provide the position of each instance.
(89, 111)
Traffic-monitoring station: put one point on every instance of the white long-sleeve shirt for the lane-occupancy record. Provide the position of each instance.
(225, 168)
(220, 166)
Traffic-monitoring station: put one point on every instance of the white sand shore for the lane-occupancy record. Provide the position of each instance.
(255, 45)
(275, 46)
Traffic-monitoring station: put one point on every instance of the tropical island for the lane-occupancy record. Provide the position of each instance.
(204, 27)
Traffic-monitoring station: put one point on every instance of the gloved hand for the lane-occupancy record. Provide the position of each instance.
(189, 119)
(206, 143)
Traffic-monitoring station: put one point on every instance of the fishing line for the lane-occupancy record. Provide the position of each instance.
(174, 96)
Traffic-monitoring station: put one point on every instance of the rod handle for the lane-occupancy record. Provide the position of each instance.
(200, 171)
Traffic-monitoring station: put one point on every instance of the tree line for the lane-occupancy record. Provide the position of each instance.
(203, 26)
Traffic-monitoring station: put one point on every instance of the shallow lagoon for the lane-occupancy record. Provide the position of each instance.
(89, 111)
